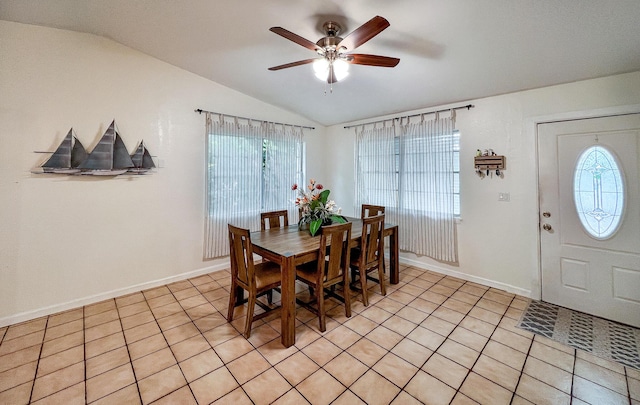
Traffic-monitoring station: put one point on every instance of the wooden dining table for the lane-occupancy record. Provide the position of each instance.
(290, 247)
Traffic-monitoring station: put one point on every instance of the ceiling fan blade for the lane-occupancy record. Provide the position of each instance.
(364, 33)
(292, 64)
(372, 60)
(295, 38)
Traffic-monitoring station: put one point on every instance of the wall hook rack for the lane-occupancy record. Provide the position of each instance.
(488, 162)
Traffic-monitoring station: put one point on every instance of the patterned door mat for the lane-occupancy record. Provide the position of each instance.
(600, 337)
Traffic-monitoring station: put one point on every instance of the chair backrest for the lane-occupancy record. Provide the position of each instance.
(241, 256)
(337, 237)
(273, 219)
(371, 210)
(372, 246)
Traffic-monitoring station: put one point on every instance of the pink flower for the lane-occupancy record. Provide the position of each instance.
(294, 187)
(319, 186)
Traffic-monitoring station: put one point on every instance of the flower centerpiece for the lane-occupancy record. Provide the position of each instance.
(315, 207)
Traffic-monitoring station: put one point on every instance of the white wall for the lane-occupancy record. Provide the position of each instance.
(65, 240)
(498, 241)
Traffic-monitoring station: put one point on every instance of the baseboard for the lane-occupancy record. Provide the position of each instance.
(29, 315)
(467, 277)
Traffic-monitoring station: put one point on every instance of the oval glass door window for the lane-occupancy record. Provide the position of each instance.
(598, 191)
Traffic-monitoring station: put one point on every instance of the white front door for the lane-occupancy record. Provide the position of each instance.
(589, 184)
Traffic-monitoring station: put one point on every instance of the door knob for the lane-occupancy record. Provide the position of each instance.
(546, 227)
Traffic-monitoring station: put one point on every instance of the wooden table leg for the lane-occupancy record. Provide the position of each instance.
(288, 297)
(395, 256)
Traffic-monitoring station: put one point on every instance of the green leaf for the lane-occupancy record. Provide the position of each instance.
(337, 219)
(314, 226)
(324, 196)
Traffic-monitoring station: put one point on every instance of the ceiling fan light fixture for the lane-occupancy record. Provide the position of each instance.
(340, 69)
(321, 68)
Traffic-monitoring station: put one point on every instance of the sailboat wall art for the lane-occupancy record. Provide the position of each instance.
(108, 158)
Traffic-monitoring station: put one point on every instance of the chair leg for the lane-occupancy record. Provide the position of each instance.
(270, 297)
(383, 289)
(321, 315)
(363, 282)
(347, 295)
(232, 302)
(250, 308)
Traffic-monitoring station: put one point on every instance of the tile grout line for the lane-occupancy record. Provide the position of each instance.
(126, 344)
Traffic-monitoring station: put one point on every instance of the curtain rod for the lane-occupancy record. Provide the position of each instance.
(200, 111)
(468, 107)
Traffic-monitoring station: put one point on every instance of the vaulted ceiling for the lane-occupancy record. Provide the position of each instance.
(450, 51)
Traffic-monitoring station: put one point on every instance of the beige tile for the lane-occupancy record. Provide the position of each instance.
(234, 348)
(485, 315)
(193, 301)
(64, 317)
(209, 322)
(134, 309)
(21, 342)
(19, 358)
(248, 366)
(17, 395)
(129, 299)
(141, 332)
(360, 324)
(438, 325)
(497, 372)
(446, 370)
(442, 290)
(458, 306)
(511, 357)
(161, 301)
(321, 388)
(465, 297)
(548, 374)
(595, 393)
(274, 352)
(17, 376)
(138, 319)
(182, 396)
(459, 353)
(146, 346)
(24, 329)
(54, 332)
(160, 384)
(367, 352)
(201, 311)
(399, 325)
(103, 345)
(512, 340)
(190, 347)
(461, 399)
(109, 382)
(405, 399)
(427, 338)
(99, 307)
(265, 333)
(634, 387)
(107, 361)
(213, 385)
(608, 364)
(484, 391)
(153, 363)
(166, 310)
(473, 289)
(171, 321)
(470, 339)
(200, 365)
(321, 351)
(389, 305)
(102, 330)
(235, 397)
(552, 356)
(374, 389)
(346, 368)
(423, 305)
(102, 317)
(73, 395)
(384, 337)
(412, 314)
(60, 360)
(341, 336)
(399, 296)
(430, 390)
(478, 326)
(266, 387)
(60, 344)
(180, 333)
(540, 393)
(395, 369)
(57, 381)
(492, 306)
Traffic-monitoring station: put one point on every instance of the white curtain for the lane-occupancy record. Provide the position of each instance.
(424, 205)
(250, 169)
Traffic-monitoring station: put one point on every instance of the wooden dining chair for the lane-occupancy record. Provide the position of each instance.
(274, 219)
(371, 255)
(369, 210)
(257, 279)
(330, 269)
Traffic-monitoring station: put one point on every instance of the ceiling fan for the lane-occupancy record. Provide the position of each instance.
(334, 60)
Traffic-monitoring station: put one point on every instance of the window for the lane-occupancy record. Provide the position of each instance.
(413, 170)
(598, 192)
(250, 169)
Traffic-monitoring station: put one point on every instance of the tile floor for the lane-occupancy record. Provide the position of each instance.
(432, 339)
